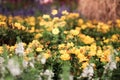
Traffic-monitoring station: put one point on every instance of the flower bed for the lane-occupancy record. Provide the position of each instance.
(45, 48)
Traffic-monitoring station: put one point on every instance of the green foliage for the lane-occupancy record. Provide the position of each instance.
(8, 36)
(66, 70)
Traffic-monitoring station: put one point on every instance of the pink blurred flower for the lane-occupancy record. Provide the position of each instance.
(45, 1)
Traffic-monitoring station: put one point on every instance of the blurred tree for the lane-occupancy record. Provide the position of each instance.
(102, 10)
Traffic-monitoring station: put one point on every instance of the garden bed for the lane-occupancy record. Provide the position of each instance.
(45, 48)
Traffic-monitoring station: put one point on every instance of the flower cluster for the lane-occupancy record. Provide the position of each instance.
(90, 48)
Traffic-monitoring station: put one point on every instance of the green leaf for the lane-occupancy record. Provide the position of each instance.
(66, 71)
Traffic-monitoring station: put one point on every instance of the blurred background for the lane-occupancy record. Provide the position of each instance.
(36, 7)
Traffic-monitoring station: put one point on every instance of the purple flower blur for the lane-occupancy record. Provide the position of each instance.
(32, 7)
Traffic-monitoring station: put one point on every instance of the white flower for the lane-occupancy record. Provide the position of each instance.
(13, 67)
(71, 77)
(31, 64)
(88, 71)
(25, 63)
(39, 78)
(19, 49)
(1, 60)
(2, 67)
(43, 60)
(49, 73)
(112, 66)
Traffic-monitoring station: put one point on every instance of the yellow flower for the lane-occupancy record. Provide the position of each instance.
(61, 46)
(1, 49)
(83, 26)
(62, 18)
(118, 25)
(118, 21)
(26, 58)
(35, 43)
(82, 57)
(99, 53)
(65, 12)
(107, 51)
(76, 51)
(86, 39)
(80, 22)
(78, 28)
(106, 55)
(84, 65)
(71, 44)
(65, 32)
(12, 48)
(28, 50)
(73, 50)
(90, 25)
(10, 54)
(32, 23)
(22, 27)
(104, 59)
(38, 36)
(93, 47)
(103, 27)
(65, 57)
(118, 49)
(47, 55)
(56, 19)
(73, 16)
(45, 16)
(42, 23)
(114, 37)
(117, 59)
(54, 12)
(55, 31)
(83, 50)
(63, 51)
(60, 24)
(69, 37)
(2, 23)
(32, 29)
(2, 17)
(92, 53)
(74, 32)
(39, 49)
(17, 25)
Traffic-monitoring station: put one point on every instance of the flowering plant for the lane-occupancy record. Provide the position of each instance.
(59, 48)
